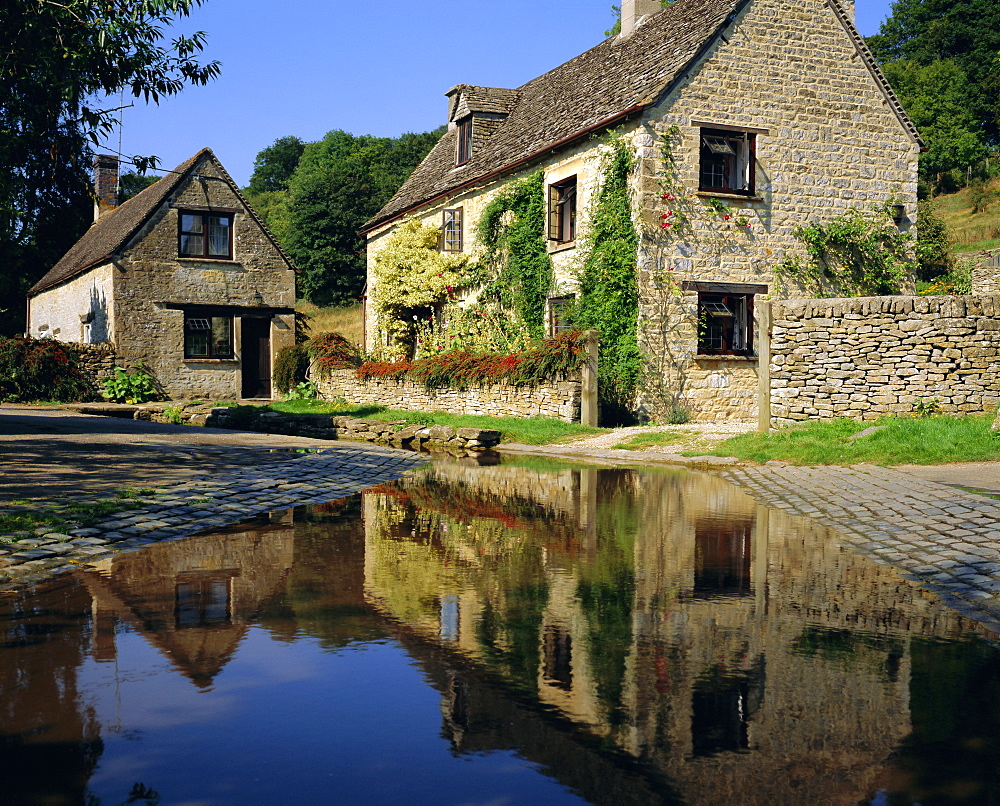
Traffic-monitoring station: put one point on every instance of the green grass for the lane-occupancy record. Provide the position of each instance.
(527, 430)
(82, 513)
(640, 442)
(919, 441)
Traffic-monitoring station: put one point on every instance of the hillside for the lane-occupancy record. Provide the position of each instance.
(970, 231)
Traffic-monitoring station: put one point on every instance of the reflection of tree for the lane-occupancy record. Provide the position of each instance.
(50, 741)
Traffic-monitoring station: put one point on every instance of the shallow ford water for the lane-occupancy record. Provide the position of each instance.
(527, 633)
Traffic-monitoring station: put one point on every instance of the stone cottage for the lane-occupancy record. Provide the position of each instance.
(184, 277)
(746, 119)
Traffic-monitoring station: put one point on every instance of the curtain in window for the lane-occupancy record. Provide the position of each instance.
(218, 235)
(192, 235)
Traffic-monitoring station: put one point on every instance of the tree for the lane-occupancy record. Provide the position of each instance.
(131, 184)
(61, 63)
(340, 182)
(936, 97)
(274, 166)
(964, 31)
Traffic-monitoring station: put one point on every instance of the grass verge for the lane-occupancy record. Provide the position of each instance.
(919, 441)
(526, 430)
(77, 513)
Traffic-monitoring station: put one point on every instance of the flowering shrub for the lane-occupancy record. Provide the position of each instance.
(332, 351)
(479, 328)
(460, 369)
(412, 278)
(40, 369)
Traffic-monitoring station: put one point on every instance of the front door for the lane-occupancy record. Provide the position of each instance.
(256, 357)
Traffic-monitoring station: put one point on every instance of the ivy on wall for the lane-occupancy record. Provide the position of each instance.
(515, 269)
(857, 254)
(609, 290)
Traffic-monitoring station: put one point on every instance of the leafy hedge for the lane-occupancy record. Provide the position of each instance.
(41, 369)
(460, 369)
(291, 365)
(332, 351)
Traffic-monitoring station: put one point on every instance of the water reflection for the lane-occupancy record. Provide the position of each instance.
(530, 633)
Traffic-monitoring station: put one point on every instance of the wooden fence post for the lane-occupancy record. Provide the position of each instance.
(588, 378)
(764, 367)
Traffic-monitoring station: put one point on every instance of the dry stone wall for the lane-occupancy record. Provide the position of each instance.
(97, 362)
(556, 399)
(869, 357)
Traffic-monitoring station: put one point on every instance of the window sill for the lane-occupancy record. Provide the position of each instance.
(227, 260)
(714, 357)
(554, 247)
(709, 194)
(211, 361)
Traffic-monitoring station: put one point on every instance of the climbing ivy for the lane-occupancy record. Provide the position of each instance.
(609, 291)
(515, 268)
(860, 254)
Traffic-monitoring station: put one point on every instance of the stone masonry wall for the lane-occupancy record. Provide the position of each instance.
(869, 357)
(558, 399)
(152, 279)
(97, 362)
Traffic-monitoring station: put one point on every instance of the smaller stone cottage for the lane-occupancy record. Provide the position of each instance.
(184, 277)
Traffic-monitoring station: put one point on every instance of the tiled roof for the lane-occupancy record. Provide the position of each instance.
(112, 232)
(597, 88)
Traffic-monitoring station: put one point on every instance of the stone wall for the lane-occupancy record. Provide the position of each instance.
(97, 362)
(560, 399)
(986, 273)
(869, 357)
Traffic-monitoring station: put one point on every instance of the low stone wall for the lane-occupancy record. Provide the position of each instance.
(97, 362)
(326, 426)
(560, 399)
(869, 357)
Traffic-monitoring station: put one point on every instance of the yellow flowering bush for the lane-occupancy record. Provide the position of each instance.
(412, 279)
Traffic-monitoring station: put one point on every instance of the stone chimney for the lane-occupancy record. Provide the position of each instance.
(633, 11)
(105, 184)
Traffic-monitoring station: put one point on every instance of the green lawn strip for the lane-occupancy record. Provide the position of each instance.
(526, 430)
(639, 442)
(919, 441)
(76, 513)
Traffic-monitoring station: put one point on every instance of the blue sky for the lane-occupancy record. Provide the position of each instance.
(302, 67)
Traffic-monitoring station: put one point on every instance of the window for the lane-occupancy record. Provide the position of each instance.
(725, 324)
(208, 336)
(727, 161)
(562, 211)
(203, 601)
(451, 230)
(207, 235)
(559, 308)
(464, 141)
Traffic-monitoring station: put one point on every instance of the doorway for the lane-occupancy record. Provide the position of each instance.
(256, 354)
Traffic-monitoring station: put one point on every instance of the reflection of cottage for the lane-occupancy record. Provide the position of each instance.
(782, 117)
(195, 599)
(185, 277)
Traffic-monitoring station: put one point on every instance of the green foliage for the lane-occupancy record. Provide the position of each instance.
(136, 386)
(855, 254)
(173, 415)
(933, 250)
(478, 328)
(413, 278)
(40, 369)
(61, 68)
(609, 291)
(981, 196)
(340, 182)
(515, 266)
(274, 166)
(967, 32)
(304, 390)
(958, 280)
(926, 406)
(131, 184)
(904, 440)
(291, 365)
(936, 97)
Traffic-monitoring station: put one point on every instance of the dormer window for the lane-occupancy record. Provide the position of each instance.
(464, 141)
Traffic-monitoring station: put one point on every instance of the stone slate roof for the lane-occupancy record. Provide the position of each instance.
(112, 232)
(600, 87)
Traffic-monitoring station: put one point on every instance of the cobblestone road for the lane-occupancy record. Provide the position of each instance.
(946, 539)
(211, 502)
